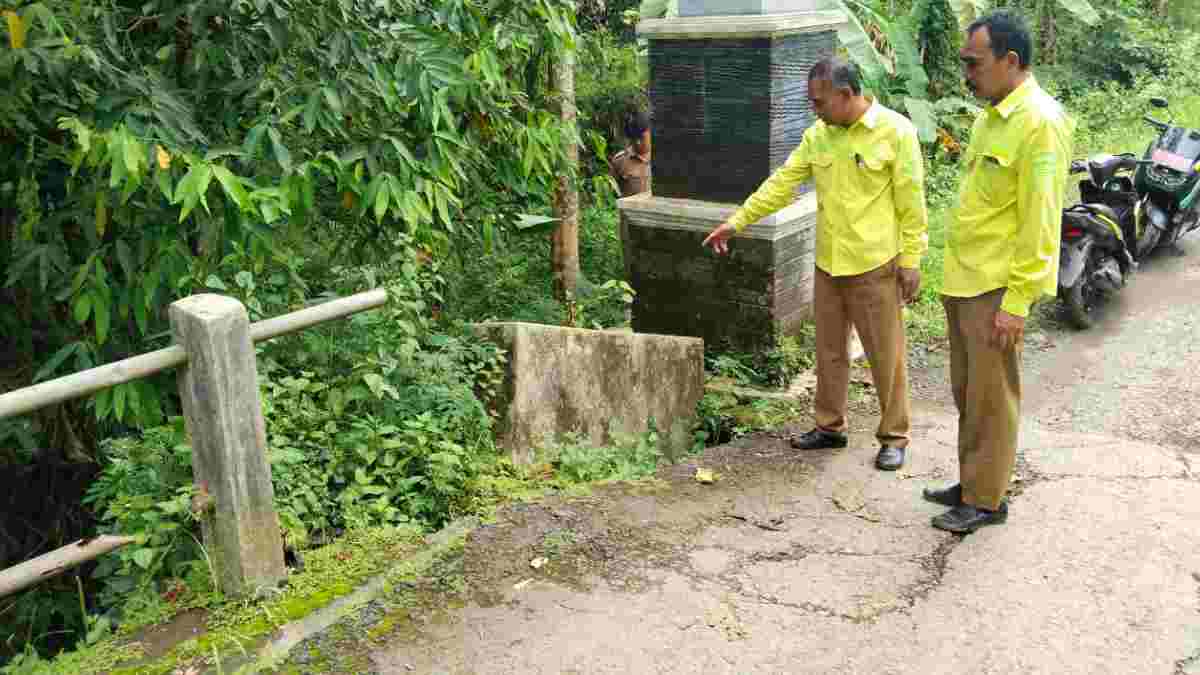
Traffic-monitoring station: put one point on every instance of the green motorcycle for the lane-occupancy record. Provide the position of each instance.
(1168, 180)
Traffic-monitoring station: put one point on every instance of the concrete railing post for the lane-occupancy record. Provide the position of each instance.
(219, 388)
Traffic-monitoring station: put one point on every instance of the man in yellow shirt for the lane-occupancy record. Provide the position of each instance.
(1001, 256)
(871, 233)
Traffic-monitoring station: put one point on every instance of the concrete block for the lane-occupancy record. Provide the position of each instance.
(746, 299)
(563, 380)
(223, 413)
(747, 25)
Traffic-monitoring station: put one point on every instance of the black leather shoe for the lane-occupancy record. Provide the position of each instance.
(965, 519)
(951, 496)
(818, 439)
(889, 459)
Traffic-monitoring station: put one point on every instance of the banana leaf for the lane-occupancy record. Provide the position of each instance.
(858, 44)
(658, 9)
(969, 10)
(1083, 10)
(923, 117)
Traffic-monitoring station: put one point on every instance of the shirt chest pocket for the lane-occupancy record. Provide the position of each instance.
(823, 173)
(874, 169)
(993, 181)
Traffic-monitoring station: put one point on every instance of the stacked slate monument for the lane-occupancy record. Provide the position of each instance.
(729, 103)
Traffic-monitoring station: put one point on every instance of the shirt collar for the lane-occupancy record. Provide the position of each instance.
(1016, 97)
(871, 117)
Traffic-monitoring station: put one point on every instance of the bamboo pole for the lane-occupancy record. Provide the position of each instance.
(54, 563)
(90, 381)
(311, 316)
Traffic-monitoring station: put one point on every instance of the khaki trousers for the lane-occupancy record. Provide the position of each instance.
(987, 391)
(872, 303)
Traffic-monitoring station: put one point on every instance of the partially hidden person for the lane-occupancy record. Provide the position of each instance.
(630, 167)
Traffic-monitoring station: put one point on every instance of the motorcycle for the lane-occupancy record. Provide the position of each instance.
(1096, 259)
(1169, 179)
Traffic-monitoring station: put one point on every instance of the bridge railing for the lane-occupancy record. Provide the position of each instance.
(218, 385)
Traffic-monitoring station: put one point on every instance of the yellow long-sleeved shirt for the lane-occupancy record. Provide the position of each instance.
(1005, 231)
(870, 192)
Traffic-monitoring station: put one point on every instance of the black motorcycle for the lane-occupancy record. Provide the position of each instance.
(1169, 180)
(1096, 259)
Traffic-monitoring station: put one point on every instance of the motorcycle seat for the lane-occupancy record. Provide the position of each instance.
(1110, 164)
(1104, 210)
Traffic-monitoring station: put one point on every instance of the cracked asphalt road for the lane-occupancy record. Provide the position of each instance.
(817, 563)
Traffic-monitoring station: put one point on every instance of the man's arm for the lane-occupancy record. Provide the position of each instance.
(908, 194)
(1039, 210)
(777, 191)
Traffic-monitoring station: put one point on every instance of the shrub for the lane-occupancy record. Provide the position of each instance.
(145, 491)
(629, 457)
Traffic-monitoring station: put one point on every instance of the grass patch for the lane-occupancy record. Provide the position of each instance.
(235, 629)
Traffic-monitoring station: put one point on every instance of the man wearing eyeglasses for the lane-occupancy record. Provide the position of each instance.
(871, 233)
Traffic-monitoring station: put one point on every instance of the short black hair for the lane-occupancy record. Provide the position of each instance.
(1009, 33)
(636, 124)
(841, 73)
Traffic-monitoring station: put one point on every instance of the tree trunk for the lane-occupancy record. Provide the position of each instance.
(565, 239)
(1049, 32)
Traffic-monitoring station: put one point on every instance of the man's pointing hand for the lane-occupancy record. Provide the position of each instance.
(719, 238)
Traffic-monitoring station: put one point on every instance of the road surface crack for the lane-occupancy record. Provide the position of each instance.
(1185, 665)
(807, 607)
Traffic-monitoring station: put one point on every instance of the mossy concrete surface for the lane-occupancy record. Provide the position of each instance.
(568, 380)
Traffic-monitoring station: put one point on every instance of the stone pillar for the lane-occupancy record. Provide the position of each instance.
(729, 93)
(219, 388)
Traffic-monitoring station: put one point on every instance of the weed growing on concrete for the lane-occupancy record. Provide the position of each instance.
(628, 457)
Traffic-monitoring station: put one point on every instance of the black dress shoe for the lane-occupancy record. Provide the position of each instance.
(889, 459)
(951, 496)
(965, 519)
(818, 439)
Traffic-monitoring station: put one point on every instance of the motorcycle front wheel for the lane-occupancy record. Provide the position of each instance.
(1080, 299)
(1147, 236)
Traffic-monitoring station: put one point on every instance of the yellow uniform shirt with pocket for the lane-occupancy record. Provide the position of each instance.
(1005, 231)
(870, 183)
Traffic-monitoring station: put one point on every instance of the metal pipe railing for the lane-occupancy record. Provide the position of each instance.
(83, 383)
(87, 382)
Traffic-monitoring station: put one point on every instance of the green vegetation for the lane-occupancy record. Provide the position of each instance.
(284, 152)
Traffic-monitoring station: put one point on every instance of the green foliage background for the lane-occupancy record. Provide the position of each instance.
(288, 151)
